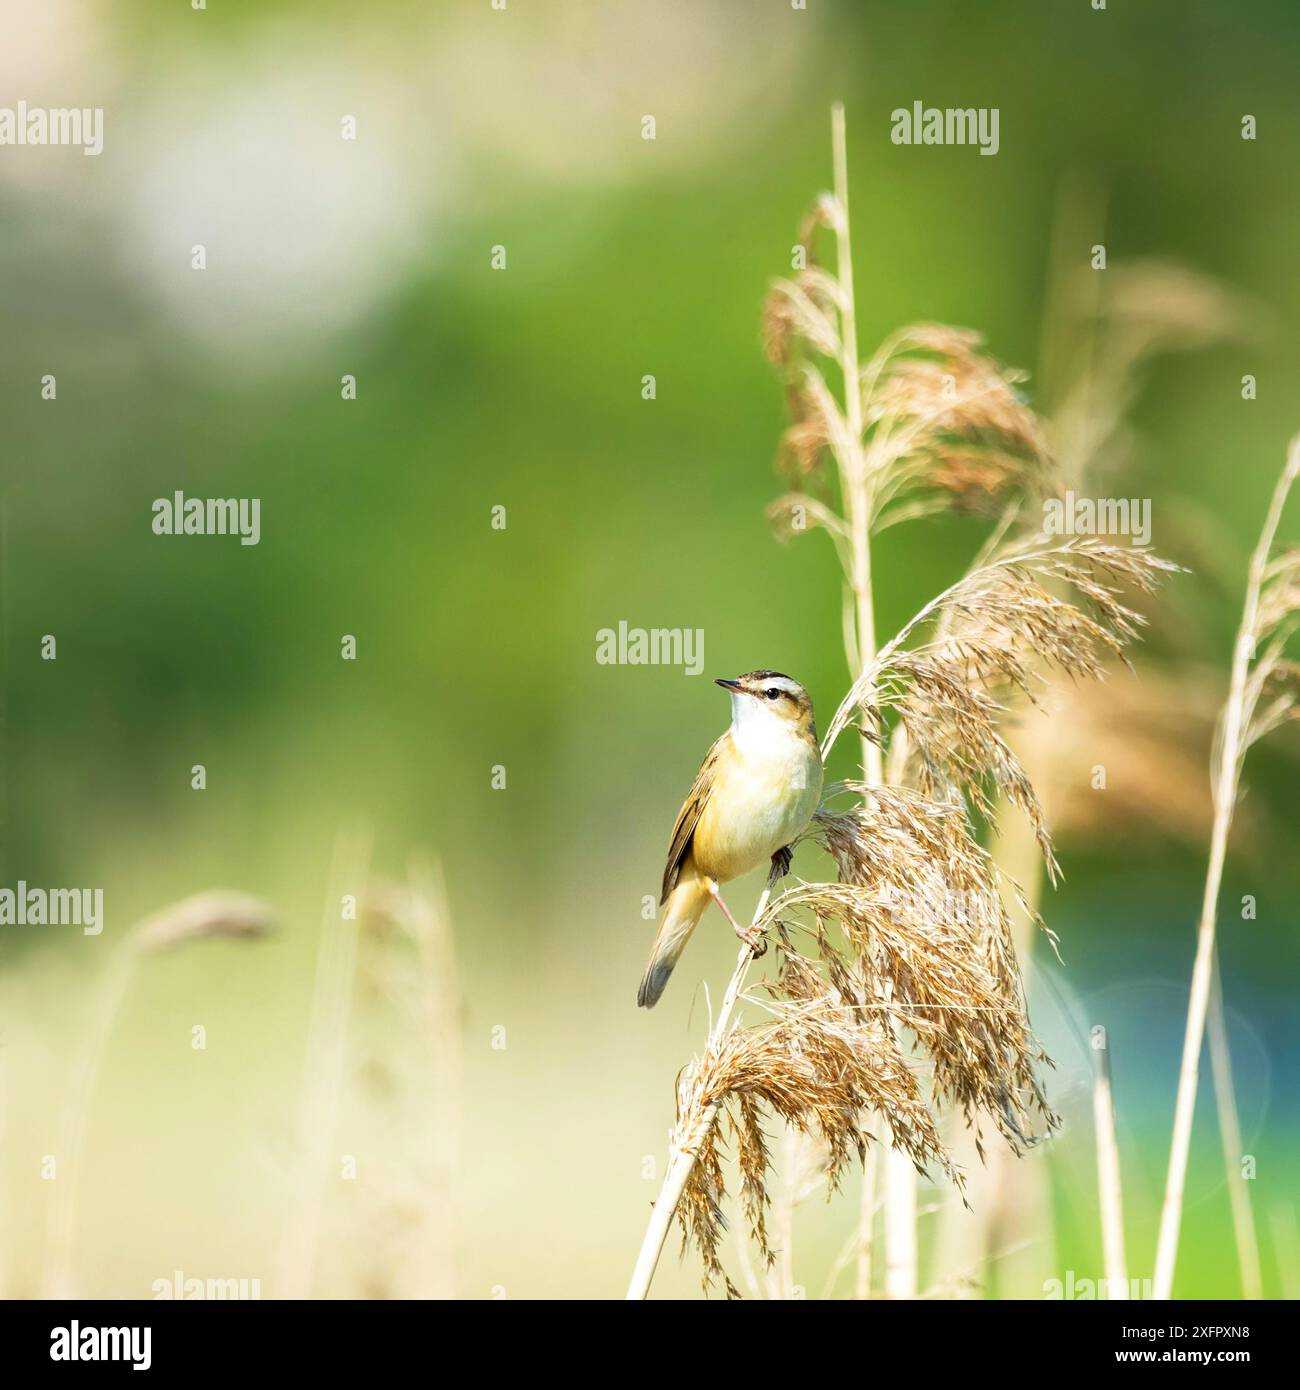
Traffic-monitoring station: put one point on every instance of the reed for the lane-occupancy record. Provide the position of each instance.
(200, 917)
(1262, 695)
(1225, 1104)
(1102, 334)
(907, 956)
(1109, 1190)
(405, 1094)
(323, 1070)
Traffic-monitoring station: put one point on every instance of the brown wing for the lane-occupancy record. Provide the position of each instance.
(688, 817)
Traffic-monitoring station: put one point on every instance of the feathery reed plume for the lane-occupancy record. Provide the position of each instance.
(918, 900)
(1156, 730)
(816, 1065)
(1262, 695)
(1109, 1191)
(204, 915)
(1151, 308)
(993, 629)
(217, 914)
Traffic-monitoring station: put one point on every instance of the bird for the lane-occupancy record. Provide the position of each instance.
(755, 793)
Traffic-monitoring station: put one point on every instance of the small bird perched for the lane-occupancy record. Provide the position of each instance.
(757, 790)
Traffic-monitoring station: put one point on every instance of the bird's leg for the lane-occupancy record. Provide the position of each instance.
(780, 864)
(749, 935)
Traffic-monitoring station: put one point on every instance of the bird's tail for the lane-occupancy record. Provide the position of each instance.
(686, 904)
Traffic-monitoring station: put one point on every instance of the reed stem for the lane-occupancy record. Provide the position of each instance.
(1225, 1099)
(324, 1071)
(690, 1132)
(899, 1176)
(1108, 1182)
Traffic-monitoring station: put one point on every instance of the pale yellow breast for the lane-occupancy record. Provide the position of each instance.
(762, 798)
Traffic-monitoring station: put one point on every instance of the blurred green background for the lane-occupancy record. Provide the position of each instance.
(521, 388)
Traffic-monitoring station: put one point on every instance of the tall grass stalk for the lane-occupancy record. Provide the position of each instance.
(899, 1175)
(203, 915)
(1225, 1101)
(1252, 669)
(867, 1201)
(323, 1071)
(1109, 1191)
(58, 1279)
(405, 1070)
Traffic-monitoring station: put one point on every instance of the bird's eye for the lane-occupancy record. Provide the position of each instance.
(771, 692)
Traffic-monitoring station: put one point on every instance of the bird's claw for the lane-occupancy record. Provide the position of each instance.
(754, 938)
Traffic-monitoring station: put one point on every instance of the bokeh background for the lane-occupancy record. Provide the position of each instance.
(528, 1148)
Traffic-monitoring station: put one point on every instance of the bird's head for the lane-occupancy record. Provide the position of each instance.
(769, 695)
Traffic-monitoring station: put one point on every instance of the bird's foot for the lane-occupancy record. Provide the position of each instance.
(754, 938)
(751, 936)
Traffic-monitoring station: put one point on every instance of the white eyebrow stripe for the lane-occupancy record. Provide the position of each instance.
(785, 684)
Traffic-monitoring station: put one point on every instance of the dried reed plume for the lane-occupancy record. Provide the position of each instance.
(1154, 731)
(202, 916)
(914, 938)
(1262, 696)
(994, 629)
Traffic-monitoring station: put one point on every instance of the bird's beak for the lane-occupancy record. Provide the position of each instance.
(727, 684)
